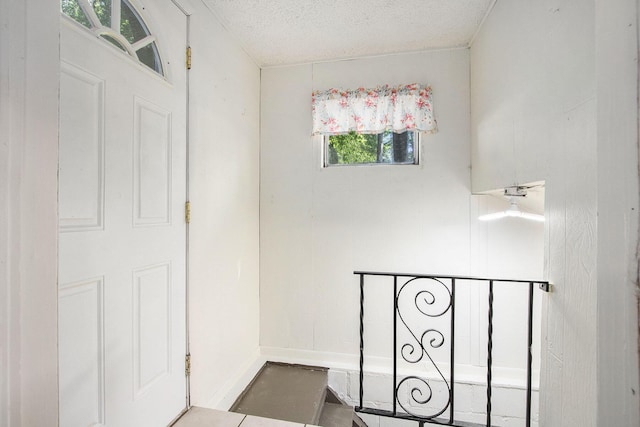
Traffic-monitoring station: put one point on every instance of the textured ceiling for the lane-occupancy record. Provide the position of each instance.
(278, 32)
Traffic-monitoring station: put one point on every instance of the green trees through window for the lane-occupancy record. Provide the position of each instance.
(72, 9)
(356, 148)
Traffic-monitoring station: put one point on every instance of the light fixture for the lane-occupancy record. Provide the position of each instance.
(514, 211)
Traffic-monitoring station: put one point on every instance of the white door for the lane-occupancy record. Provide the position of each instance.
(122, 229)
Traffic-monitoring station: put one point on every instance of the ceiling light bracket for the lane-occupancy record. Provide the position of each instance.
(515, 191)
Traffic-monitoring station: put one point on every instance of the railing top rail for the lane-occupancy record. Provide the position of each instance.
(544, 285)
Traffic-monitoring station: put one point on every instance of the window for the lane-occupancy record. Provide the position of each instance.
(372, 126)
(118, 23)
(362, 149)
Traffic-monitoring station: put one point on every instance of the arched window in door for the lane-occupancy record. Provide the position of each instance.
(120, 24)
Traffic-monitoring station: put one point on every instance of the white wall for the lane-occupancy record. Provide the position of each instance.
(544, 77)
(7, 153)
(28, 213)
(6, 177)
(318, 224)
(618, 322)
(224, 232)
(506, 248)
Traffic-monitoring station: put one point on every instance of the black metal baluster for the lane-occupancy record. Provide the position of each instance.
(529, 354)
(453, 348)
(489, 351)
(361, 338)
(395, 342)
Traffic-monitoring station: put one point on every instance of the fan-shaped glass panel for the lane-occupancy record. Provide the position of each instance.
(148, 55)
(131, 26)
(113, 41)
(72, 9)
(97, 16)
(102, 8)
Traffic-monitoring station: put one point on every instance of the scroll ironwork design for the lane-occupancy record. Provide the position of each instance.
(426, 303)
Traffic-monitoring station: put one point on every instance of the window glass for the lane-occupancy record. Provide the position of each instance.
(113, 41)
(148, 55)
(131, 26)
(102, 8)
(386, 148)
(72, 9)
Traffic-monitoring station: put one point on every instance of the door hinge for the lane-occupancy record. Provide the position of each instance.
(187, 212)
(189, 58)
(187, 365)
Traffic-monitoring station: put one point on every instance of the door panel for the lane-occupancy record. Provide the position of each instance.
(151, 326)
(81, 324)
(152, 164)
(81, 150)
(122, 231)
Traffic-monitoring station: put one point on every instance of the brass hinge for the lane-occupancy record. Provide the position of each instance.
(189, 58)
(187, 212)
(187, 365)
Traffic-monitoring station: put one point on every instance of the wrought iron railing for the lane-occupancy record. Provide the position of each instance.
(424, 291)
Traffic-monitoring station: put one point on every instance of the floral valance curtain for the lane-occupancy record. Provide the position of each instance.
(400, 108)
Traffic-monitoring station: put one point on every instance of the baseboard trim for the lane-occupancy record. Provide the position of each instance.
(232, 388)
(235, 385)
(465, 374)
(309, 357)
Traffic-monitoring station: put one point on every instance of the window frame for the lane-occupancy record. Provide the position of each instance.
(417, 147)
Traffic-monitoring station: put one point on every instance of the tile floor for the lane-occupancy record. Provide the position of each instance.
(202, 417)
